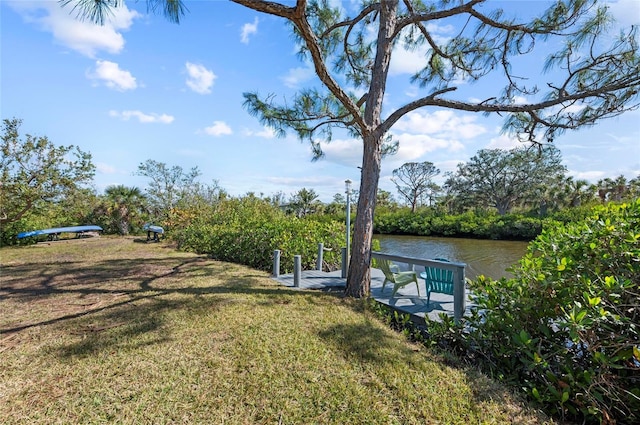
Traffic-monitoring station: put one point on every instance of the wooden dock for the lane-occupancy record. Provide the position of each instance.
(406, 300)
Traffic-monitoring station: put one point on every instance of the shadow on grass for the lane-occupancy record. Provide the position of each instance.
(367, 343)
(121, 336)
(115, 285)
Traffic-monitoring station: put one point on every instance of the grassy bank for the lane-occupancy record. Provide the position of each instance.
(116, 330)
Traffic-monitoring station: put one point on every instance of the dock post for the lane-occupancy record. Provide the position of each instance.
(297, 270)
(344, 262)
(459, 294)
(320, 253)
(276, 263)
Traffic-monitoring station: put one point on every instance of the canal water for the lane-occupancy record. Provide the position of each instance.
(483, 257)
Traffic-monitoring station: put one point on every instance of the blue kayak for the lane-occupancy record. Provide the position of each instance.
(58, 230)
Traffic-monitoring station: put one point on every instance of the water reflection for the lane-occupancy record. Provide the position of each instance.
(483, 257)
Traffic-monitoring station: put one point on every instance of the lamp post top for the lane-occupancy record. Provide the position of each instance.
(347, 186)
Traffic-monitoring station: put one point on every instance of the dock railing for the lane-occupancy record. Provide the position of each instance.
(459, 295)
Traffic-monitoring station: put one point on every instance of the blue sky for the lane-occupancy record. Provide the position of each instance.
(142, 88)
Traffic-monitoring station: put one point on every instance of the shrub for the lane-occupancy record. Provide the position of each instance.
(469, 224)
(566, 327)
(247, 231)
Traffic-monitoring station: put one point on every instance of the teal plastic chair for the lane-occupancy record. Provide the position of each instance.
(398, 278)
(438, 280)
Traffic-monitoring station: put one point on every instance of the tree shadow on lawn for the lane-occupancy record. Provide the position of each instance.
(128, 329)
(367, 343)
(364, 341)
(120, 303)
(37, 279)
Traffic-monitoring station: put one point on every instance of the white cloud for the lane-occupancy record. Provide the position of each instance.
(504, 141)
(105, 168)
(82, 36)
(142, 117)
(413, 146)
(199, 79)
(266, 133)
(419, 134)
(296, 76)
(411, 91)
(588, 175)
(450, 165)
(443, 123)
(575, 108)
(626, 12)
(343, 151)
(440, 33)
(247, 30)
(110, 74)
(406, 61)
(572, 108)
(219, 128)
(307, 181)
(519, 100)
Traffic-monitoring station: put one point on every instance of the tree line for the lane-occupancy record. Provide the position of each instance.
(45, 185)
(530, 179)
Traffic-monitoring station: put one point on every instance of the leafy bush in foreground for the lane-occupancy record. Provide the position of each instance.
(566, 328)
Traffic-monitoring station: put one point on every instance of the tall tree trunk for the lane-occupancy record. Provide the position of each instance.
(124, 227)
(544, 208)
(503, 206)
(359, 276)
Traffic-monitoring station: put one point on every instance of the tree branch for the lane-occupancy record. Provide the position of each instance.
(298, 17)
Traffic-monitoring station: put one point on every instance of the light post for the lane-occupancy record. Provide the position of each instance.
(347, 186)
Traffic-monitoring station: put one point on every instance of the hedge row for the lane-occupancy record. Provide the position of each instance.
(248, 232)
(510, 226)
(472, 225)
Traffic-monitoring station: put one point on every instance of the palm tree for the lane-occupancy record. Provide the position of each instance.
(605, 187)
(620, 188)
(124, 204)
(578, 192)
(551, 195)
(634, 187)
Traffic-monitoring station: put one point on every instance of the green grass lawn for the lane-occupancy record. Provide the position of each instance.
(116, 330)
